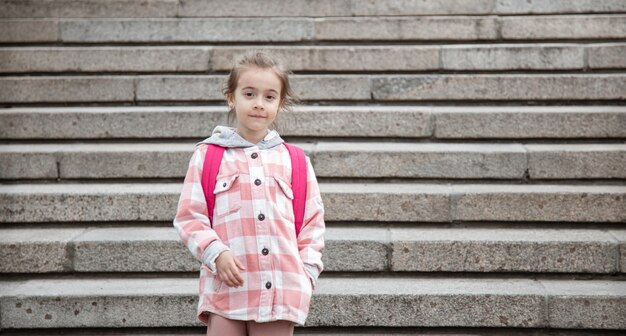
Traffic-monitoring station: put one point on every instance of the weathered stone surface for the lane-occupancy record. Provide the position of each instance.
(586, 304)
(86, 8)
(187, 30)
(20, 162)
(422, 160)
(577, 161)
(101, 302)
(131, 250)
(408, 7)
(541, 202)
(356, 249)
(326, 87)
(568, 27)
(342, 58)
(66, 89)
(125, 161)
(236, 8)
(530, 122)
(386, 202)
(607, 56)
(172, 301)
(357, 121)
(499, 87)
(85, 202)
(620, 235)
(104, 59)
(502, 250)
(35, 250)
(559, 6)
(405, 28)
(512, 57)
(111, 122)
(403, 301)
(175, 87)
(198, 122)
(28, 31)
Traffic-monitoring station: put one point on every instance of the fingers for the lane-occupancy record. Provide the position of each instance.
(230, 273)
(239, 264)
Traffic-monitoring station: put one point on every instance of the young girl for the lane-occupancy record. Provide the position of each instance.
(257, 275)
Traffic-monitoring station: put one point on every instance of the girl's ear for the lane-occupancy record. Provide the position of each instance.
(230, 100)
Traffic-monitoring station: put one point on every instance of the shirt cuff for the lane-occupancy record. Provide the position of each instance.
(211, 253)
(313, 274)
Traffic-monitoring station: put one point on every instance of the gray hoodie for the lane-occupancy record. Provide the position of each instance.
(227, 137)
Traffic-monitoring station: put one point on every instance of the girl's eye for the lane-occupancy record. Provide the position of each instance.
(248, 94)
(271, 97)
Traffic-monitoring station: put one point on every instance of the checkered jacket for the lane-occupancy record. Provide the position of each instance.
(253, 218)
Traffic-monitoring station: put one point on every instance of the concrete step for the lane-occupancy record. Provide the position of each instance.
(436, 122)
(370, 88)
(458, 57)
(300, 29)
(348, 249)
(330, 159)
(376, 202)
(405, 301)
(191, 8)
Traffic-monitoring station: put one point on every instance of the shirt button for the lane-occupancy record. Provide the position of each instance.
(268, 285)
(224, 185)
(257, 182)
(265, 251)
(261, 217)
(254, 155)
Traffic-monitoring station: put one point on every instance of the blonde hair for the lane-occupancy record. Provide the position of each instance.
(262, 60)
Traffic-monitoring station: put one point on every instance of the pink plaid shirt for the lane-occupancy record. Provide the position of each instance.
(253, 218)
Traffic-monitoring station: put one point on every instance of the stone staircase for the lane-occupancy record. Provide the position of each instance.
(471, 157)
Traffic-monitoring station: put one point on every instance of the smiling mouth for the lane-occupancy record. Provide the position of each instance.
(255, 116)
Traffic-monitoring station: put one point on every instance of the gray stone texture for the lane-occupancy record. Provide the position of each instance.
(576, 161)
(620, 235)
(20, 31)
(405, 28)
(428, 302)
(607, 56)
(530, 122)
(111, 122)
(341, 58)
(499, 87)
(422, 160)
(544, 202)
(513, 57)
(104, 59)
(20, 162)
(35, 250)
(320, 121)
(66, 89)
(502, 250)
(131, 249)
(212, 8)
(186, 30)
(559, 6)
(86, 8)
(586, 304)
(567, 27)
(408, 7)
(84, 202)
(386, 202)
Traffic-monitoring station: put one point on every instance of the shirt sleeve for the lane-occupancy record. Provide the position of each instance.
(192, 221)
(311, 237)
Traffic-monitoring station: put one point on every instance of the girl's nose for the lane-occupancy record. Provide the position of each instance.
(258, 104)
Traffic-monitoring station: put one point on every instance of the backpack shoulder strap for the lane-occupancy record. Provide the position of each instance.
(211, 167)
(298, 183)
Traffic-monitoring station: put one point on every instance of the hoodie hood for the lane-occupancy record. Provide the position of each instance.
(227, 137)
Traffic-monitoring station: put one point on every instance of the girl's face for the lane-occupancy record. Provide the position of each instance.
(256, 99)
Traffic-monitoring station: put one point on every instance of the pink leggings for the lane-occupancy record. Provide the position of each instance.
(221, 326)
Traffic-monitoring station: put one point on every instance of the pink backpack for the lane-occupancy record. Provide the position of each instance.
(211, 167)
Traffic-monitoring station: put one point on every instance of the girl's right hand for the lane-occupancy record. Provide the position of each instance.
(228, 269)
